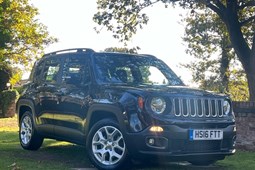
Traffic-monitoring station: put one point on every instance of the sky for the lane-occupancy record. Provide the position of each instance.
(70, 21)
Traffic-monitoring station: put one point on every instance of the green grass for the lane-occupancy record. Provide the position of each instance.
(63, 155)
(241, 160)
(52, 155)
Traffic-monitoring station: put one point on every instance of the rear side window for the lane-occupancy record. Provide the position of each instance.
(37, 71)
(76, 71)
(51, 70)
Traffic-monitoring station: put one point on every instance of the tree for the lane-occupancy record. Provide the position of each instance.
(206, 35)
(23, 38)
(16, 75)
(238, 86)
(124, 17)
(124, 50)
(5, 75)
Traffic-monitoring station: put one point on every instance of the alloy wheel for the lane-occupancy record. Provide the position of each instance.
(108, 145)
(26, 130)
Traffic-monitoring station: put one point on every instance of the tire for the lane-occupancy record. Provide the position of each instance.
(29, 138)
(106, 145)
(202, 162)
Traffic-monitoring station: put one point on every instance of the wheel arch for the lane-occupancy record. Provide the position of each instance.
(23, 106)
(100, 111)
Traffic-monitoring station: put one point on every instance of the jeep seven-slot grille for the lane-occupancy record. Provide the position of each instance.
(197, 107)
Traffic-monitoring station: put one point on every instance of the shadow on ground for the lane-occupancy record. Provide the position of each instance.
(74, 157)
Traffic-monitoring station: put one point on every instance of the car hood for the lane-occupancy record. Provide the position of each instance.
(164, 90)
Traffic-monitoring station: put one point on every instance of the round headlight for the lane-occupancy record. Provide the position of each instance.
(226, 107)
(158, 105)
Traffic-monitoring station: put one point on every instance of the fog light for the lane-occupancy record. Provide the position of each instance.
(156, 129)
(157, 142)
(151, 141)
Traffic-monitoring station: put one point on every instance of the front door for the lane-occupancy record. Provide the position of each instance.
(74, 98)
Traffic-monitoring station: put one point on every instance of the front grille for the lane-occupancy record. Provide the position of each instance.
(197, 107)
(195, 146)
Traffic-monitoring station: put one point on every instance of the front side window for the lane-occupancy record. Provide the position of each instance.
(131, 69)
(152, 75)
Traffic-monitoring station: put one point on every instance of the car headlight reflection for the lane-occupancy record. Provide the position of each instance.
(158, 105)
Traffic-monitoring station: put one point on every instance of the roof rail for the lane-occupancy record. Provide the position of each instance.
(148, 55)
(77, 50)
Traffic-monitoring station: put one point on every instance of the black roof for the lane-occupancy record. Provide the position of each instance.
(71, 50)
(90, 51)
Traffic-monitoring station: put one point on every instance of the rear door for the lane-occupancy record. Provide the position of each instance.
(46, 94)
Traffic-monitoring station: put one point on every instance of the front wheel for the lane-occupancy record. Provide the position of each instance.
(106, 145)
(29, 139)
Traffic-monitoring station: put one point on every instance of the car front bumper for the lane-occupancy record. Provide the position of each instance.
(174, 142)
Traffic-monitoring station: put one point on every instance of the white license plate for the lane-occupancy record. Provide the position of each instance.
(205, 134)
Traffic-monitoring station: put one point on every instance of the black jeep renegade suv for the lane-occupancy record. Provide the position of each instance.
(120, 105)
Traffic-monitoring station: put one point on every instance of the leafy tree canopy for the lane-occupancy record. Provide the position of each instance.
(5, 75)
(123, 18)
(22, 36)
(124, 49)
(206, 36)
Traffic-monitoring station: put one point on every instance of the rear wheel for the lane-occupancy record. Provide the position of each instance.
(106, 145)
(29, 138)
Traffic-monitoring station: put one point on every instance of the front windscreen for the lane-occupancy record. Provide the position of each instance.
(131, 69)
